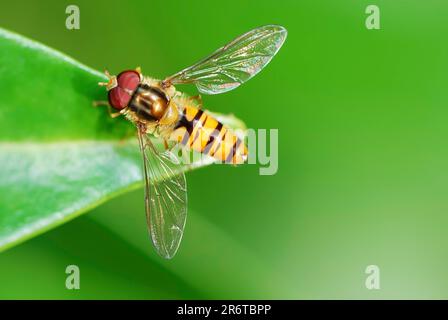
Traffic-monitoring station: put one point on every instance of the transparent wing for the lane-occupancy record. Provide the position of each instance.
(235, 63)
(165, 200)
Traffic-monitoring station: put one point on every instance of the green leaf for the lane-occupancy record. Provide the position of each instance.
(59, 155)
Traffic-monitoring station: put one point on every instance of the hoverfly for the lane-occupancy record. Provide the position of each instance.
(158, 109)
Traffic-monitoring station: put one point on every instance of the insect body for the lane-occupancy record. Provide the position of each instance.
(157, 108)
(172, 116)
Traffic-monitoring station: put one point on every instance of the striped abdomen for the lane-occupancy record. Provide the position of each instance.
(201, 132)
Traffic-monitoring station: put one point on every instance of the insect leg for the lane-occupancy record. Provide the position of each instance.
(109, 108)
(167, 145)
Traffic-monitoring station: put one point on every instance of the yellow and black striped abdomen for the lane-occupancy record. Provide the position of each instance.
(198, 130)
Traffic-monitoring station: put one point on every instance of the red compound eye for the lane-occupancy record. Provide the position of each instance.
(128, 80)
(118, 98)
(127, 83)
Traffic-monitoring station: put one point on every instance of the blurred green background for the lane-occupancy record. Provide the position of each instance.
(363, 156)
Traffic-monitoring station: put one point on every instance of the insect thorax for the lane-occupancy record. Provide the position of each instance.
(148, 103)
